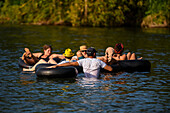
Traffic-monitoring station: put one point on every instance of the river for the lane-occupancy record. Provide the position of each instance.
(122, 93)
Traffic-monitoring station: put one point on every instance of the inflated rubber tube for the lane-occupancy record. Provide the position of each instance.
(135, 65)
(131, 66)
(22, 64)
(59, 72)
(68, 72)
(45, 65)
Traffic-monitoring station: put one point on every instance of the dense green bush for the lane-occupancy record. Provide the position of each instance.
(85, 12)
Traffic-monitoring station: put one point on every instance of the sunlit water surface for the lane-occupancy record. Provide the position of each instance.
(124, 92)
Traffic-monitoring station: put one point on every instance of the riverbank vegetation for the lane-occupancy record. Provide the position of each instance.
(103, 13)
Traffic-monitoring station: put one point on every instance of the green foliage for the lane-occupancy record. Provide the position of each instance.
(155, 6)
(158, 13)
(82, 12)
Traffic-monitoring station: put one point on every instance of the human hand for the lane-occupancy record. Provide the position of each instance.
(79, 53)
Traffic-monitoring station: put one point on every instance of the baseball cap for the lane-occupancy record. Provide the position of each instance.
(91, 50)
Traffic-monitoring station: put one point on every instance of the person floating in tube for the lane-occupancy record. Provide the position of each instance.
(66, 57)
(91, 65)
(33, 58)
(81, 53)
(112, 55)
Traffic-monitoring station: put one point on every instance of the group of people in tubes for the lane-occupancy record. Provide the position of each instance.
(85, 57)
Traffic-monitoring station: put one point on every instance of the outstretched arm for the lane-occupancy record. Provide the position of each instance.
(65, 64)
(109, 68)
(103, 58)
(57, 56)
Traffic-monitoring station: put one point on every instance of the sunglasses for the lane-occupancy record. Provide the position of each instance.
(84, 51)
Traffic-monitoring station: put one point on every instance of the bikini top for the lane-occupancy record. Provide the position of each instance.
(46, 59)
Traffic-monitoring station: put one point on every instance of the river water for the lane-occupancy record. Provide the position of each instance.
(122, 93)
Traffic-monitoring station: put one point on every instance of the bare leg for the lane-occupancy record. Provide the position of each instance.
(23, 56)
(128, 55)
(31, 60)
(140, 58)
(133, 56)
(26, 54)
(33, 68)
(52, 61)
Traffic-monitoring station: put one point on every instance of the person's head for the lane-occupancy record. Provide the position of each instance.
(47, 49)
(109, 53)
(118, 49)
(83, 50)
(68, 53)
(91, 52)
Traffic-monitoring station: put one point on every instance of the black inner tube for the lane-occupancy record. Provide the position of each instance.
(59, 72)
(120, 66)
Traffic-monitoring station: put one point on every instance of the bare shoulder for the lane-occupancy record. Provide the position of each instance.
(37, 54)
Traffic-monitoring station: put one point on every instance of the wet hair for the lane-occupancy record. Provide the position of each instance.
(119, 48)
(45, 47)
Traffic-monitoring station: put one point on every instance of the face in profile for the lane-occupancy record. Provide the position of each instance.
(47, 51)
(83, 52)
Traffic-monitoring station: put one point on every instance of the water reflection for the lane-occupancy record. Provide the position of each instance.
(88, 82)
(56, 80)
(27, 78)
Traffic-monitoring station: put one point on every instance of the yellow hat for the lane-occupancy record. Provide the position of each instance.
(68, 53)
(83, 47)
